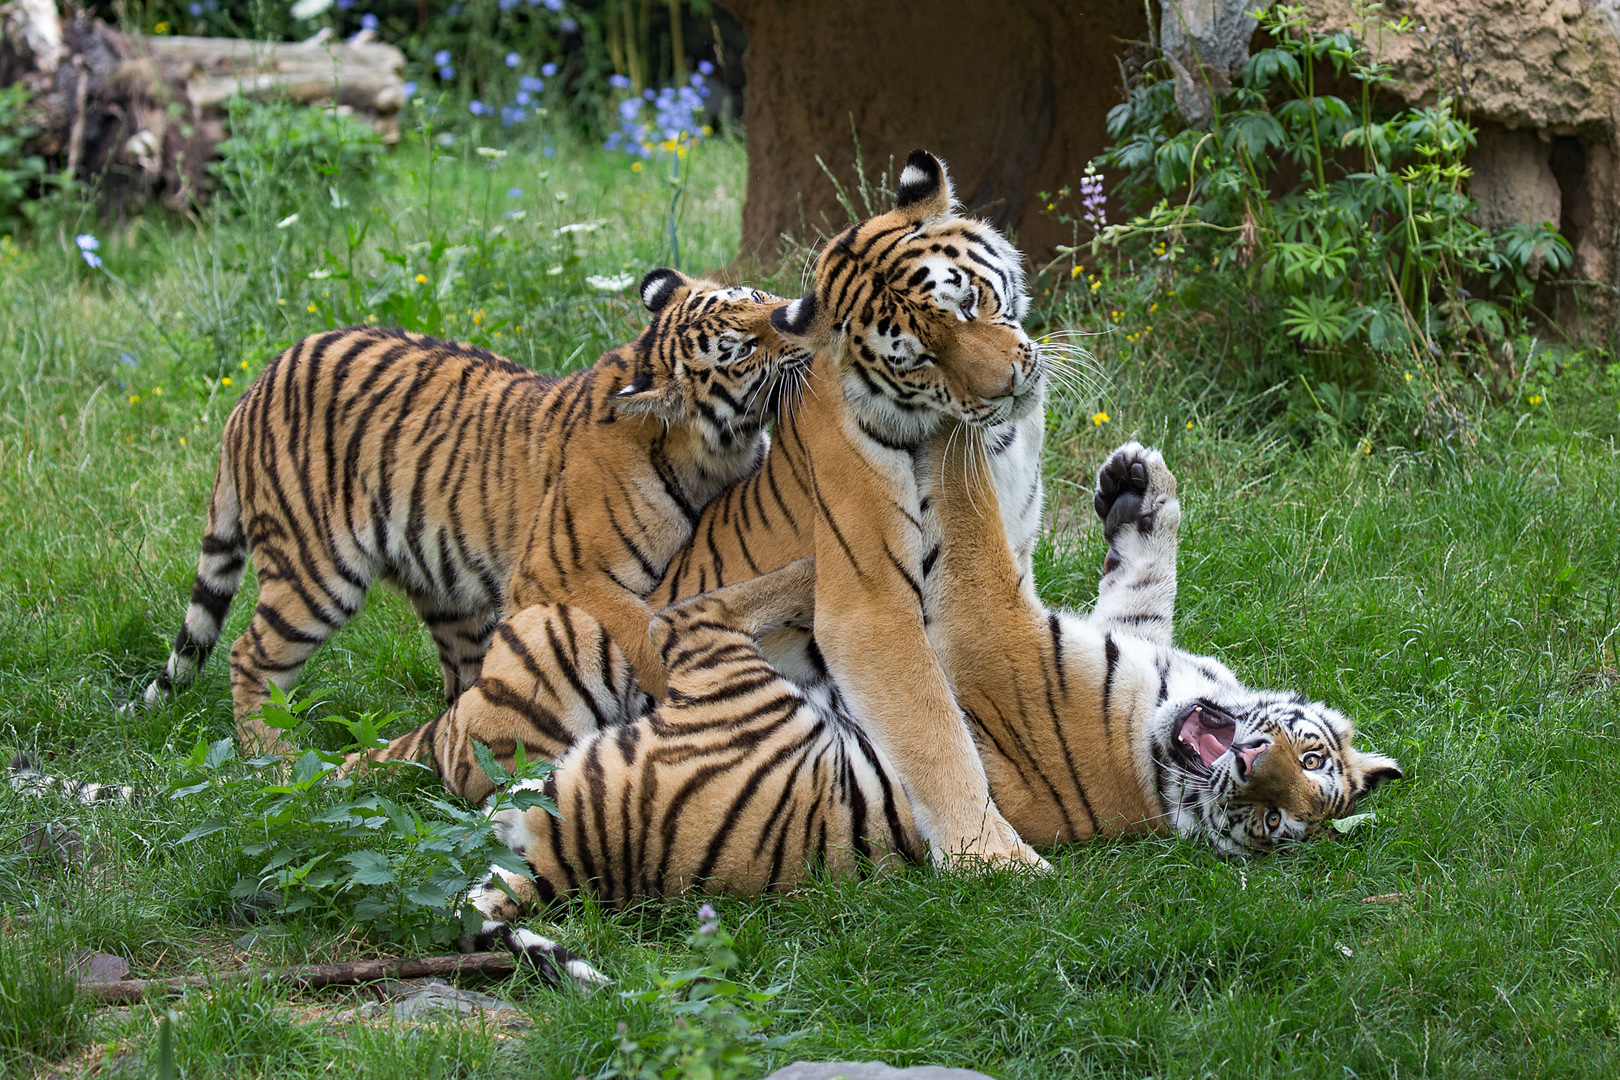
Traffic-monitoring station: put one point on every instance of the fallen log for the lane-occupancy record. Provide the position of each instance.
(139, 117)
(307, 976)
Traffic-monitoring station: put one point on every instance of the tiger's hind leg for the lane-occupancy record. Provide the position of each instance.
(1136, 500)
(462, 639)
(551, 676)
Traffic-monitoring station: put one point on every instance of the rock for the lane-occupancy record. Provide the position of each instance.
(438, 996)
(99, 967)
(1207, 44)
(1513, 179)
(870, 1070)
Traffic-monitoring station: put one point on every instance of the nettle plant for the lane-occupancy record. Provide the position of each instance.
(405, 867)
(1350, 220)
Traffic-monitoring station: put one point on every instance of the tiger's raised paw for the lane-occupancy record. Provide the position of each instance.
(1135, 491)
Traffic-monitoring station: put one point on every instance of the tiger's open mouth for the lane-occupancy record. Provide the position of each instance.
(1203, 737)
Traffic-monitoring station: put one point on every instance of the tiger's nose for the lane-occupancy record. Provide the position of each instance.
(1245, 754)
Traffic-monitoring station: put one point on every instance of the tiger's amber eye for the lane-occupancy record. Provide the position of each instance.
(1312, 760)
(1273, 820)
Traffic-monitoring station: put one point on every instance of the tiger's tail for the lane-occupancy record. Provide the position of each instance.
(219, 575)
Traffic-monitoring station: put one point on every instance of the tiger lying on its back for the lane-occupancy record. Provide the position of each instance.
(914, 319)
(368, 452)
(1086, 724)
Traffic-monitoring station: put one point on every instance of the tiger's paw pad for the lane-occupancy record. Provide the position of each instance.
(1134, 490)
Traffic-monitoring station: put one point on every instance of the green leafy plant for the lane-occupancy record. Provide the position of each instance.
(21, 174)
(1344, 225)
(280, 158)
(708, 1025)
(404, 866)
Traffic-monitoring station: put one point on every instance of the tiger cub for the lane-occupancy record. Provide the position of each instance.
(1087, 724)
(369, 453)
(915, 322)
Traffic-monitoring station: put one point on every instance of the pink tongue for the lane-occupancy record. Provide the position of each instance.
(1209, 747)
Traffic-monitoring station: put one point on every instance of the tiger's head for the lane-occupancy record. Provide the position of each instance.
(921, 309)
(710, 359)
(1250, 770)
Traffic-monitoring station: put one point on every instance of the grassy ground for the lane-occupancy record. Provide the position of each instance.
(1460, 604)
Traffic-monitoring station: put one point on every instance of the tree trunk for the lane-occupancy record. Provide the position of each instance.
(1013, 96)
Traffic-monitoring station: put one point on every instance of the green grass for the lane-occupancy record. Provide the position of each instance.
(1459, 603)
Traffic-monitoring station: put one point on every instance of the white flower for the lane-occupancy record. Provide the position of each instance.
(308, 9)
(579, 227)
(286, 221)
(616, 283)
(87, 242)
(491, 152)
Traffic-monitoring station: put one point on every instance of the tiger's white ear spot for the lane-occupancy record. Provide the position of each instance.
(925, 186)
(796, 317)
(659, 286)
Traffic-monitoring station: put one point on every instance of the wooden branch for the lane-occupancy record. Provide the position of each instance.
(309, 976)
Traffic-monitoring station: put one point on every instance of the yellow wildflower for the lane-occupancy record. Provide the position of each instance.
(635, 166)
(243, 365)
(1098, 419)
(1189, 425)
(157, 391)
(161, 28)
(421, 279)
(134, 399)
(1535, 399)
(282, 301)
(226, 381)
(1075, 272)
(311, 308)
(182, 440)
(1408, 376)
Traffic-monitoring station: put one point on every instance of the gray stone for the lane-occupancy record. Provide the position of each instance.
(870, 1070)
(438, 996)
(1207, 44)
(99, 967)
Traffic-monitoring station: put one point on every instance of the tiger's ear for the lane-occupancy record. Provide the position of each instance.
(924, 190)
(1372, 771)
(649, 396)
(660, 286)
(795, 319)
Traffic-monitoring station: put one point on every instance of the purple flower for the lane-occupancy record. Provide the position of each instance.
(511, 114)
(91, 259)
(705, 67)
(345, 5)
(549, 151)
(508, 5)
(648, 93)
(706, 913)
(447, 73)
(548, 70)
(629, 107)
(477, 108)
(620, 81)
(87, 247)
(513, 59)
(531, 84)
(557, 5)
(368, 21)
(409, 90)
(522, 98)
(442, 57)
(196, 10)
(126, 359)
(514, 193)
(1093, 203)
(568, 26)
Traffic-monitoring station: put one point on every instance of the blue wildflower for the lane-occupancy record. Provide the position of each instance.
(345, 5)
(368, 21)
(510, 114)
(477, 108)
(409, 89)
(514, 193)
(442, 57)
(522, 98)
(532, 84)
(508, 5)
(196, 10)
(705, 67)
(513, 59)
(126, 359)
(568, 26)
(557, 5)
(620, 81)
(447, 73)
(549, 151)
(548, 70)
(629, 107)
(87, 247)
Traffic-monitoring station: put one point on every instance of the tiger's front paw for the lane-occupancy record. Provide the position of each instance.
(1136, 494)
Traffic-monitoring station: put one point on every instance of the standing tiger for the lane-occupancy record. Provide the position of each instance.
(914, 320)
(1087, 724)
(368, 453)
